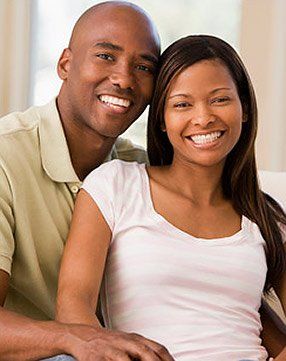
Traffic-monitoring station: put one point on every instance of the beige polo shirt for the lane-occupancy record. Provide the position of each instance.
(38, 186)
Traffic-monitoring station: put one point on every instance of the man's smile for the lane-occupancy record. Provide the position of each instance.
(114, 101)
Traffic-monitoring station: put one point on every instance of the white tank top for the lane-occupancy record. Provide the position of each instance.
(199, 298)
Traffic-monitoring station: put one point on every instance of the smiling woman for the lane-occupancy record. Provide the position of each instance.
(203, 106)
(175, 250)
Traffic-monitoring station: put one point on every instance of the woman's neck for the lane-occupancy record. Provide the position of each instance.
(200, 184)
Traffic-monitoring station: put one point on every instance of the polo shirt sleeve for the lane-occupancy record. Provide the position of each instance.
(7, 244)
(129, 152)
(102, 185)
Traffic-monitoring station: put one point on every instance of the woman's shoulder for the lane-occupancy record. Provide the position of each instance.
(115, 169)
(159, 175)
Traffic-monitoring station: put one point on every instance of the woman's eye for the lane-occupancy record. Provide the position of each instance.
(105, 56)
(182, 105)
(220, 100)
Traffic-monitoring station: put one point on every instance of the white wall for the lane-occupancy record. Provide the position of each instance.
(262, 46)
(263, 49)
(14, 54)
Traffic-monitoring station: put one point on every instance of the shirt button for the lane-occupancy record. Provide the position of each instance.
(74, 189)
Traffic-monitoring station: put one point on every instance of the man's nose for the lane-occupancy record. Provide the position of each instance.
(122, 77)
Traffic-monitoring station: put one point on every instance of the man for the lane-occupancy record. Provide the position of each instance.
(108, 74)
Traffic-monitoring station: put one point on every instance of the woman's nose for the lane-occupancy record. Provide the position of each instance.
(202, 115)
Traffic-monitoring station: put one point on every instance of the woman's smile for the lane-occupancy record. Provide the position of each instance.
(203, 113)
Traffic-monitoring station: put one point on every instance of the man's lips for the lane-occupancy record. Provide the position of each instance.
(114, 101)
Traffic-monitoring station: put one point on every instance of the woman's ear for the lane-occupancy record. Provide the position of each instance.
(244, 117)
(64, 63)
(163, 127)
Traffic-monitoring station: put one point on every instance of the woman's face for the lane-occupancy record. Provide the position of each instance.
(203, 114)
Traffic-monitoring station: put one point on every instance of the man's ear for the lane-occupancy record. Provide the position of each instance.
(64, 63)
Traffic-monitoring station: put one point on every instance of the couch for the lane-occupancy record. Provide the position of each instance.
(274, 183)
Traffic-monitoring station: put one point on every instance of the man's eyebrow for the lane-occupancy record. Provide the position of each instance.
(107, 45)
(153, 59)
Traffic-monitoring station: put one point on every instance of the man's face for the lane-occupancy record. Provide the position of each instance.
(109, 71)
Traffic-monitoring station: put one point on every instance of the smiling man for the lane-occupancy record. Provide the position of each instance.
(108, 73)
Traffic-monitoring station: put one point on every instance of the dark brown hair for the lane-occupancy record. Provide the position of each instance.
(239, 179)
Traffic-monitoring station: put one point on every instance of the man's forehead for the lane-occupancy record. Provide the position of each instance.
(118, 9)
(118, 35)
(113, 21)
(119, 20)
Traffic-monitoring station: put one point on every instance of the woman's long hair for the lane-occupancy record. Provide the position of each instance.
(239, 179)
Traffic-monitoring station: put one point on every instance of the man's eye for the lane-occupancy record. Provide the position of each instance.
(145, 68)
(105, 56)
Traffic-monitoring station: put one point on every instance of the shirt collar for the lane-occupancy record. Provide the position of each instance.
(53, 146)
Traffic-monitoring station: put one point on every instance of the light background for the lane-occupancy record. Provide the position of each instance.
(34, 32)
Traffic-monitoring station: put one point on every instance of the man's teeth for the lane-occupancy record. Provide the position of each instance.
(205, 138)
(114, 101)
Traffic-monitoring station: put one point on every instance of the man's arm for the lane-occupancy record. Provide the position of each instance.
(22, 338)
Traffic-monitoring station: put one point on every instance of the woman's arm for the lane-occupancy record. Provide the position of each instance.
(281, 293)
(83, 263)
(273, 334)
(79, 284)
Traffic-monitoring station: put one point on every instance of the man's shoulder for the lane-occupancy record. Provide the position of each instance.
(16, 122)
(19, 136)
(128, 151)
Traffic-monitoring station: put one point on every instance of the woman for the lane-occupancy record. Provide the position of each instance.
(187, 246)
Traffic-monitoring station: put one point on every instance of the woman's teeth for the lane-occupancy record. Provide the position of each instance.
(205, 138)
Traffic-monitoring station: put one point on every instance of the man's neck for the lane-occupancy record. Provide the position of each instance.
(87, 149)
(87, 154)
